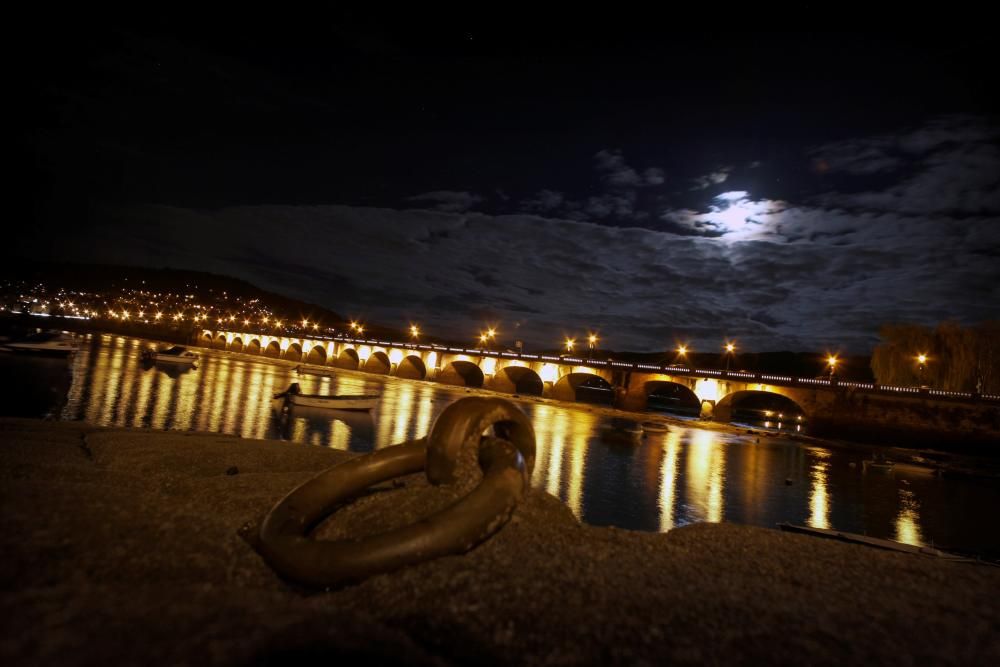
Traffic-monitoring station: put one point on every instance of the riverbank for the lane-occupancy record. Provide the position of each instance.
(121, 546)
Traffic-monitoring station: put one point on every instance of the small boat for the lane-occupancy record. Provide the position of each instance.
(48, 344)
(621, 430)
(877, 542)
(318, 371)
(293, 397)
(171, 355)
(654, 427)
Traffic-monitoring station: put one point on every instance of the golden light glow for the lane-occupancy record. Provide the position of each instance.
(730, 347)
(305, 323)
(707, 389)
(908, 519)
(158, 316)
(922, 358)
(489, 366)
(414, 330)
(491, 332)
(592, 339)
(570, 342)
(819, 495)
(832, 361)
(681, 350)
(549, 373)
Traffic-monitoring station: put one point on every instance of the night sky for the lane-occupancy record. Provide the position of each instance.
(786, 190)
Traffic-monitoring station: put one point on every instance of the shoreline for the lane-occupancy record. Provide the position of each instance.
(123, 545)
(944, 462)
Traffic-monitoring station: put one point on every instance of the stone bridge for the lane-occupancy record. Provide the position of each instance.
(827, 405)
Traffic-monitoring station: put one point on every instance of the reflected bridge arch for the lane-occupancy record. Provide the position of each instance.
(518, 380)
(759, 405)
(348, 359)
(585, 388)
(411, 367)
(671, 397)
(462, 374)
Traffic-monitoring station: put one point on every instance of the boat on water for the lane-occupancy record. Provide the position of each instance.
(45, 344)
(293, 397)
(621, 430)
(877, 542)
(654, 427)
(171, 355)
(318, 371)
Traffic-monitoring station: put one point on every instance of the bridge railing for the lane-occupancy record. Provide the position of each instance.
(675, 369)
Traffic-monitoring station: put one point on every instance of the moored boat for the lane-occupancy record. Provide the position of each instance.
(654, 427)
(621, 430)
(48, 344)
(172, 355)
(318, 371)
(293, 397)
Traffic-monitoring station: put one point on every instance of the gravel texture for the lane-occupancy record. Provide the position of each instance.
(122, 547)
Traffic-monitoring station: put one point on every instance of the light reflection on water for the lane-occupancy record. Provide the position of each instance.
(688, 474)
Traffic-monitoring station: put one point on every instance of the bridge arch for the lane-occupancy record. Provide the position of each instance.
(236, 345)
(293, 352)
(671, 397)
(758, 406)
(317, 355)
(348, 358)
(518, 380)
(411, 367)
(205, 339)
(378, 362)
(253, 346)
(583, 387)
(461, 373)
(273, 349)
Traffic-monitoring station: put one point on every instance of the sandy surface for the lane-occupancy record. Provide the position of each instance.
(121, 547)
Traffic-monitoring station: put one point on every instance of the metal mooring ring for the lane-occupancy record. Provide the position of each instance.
(506, 459)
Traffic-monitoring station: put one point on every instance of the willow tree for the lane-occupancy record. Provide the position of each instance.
(958, 358)
(894, 359)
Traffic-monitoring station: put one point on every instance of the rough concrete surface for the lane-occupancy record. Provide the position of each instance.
(121, 547)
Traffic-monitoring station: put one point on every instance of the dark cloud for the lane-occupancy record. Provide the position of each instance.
(617, 174)
(712, 178)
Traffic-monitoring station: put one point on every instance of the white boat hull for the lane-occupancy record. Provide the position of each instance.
(284, 400)
(318, 372)
(54, 349)
(173, 359)
(334, 402)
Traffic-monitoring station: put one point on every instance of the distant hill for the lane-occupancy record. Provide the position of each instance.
(108, 278)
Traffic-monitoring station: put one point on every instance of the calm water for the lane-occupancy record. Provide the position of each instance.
(686, 475)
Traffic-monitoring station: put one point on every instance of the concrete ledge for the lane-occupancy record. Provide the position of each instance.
(120, 546)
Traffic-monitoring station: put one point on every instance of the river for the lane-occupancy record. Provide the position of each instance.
(693, 472)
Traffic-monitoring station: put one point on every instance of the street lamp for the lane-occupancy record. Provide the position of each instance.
(682, 352)
(921, 365)
(591, 345)
(570, 342)
(730, 349)
(831, 361)
(414, 331)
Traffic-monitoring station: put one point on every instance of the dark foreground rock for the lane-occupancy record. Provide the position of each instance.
(121, 547)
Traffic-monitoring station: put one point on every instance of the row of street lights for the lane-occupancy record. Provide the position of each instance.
(487, 337)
